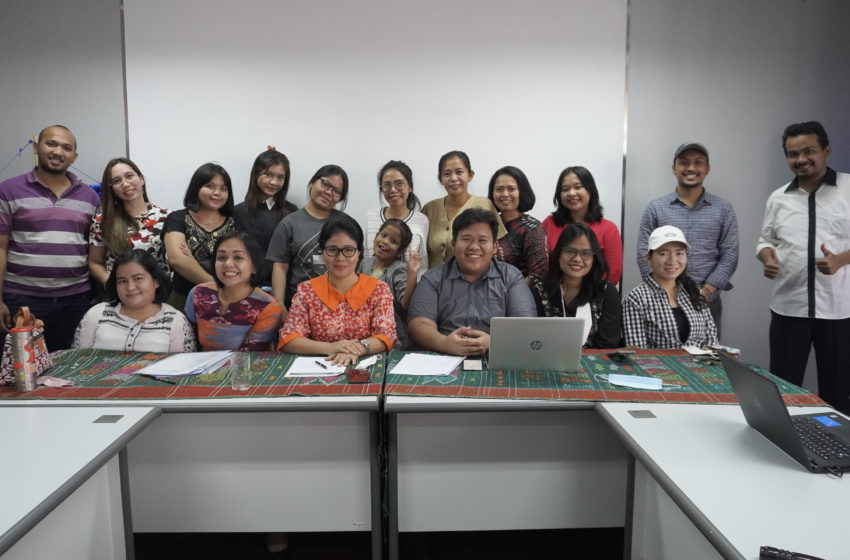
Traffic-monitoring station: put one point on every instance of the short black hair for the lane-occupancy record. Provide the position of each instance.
(472, 216)
(146, 261)
(342, 223)
(333, 169)
(526, 195)
(63, 127)
(254, 251)
(809, 127)
(561, 216)
(203, 175)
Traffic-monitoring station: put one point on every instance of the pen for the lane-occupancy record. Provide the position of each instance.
(158, 378)
(320, 364)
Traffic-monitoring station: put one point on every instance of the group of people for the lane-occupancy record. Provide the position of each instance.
(264, 274)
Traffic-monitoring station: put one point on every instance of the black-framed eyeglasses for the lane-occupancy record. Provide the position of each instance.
(585, 254)
(395, 185)
(328, 187)
(332, 251)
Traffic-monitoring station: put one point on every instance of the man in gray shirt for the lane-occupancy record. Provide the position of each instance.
(708, 222)
(452, 306)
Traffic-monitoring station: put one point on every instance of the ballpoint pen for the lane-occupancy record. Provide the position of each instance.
(170, 382)
(320, 364)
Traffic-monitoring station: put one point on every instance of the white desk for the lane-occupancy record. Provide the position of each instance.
(295, 464)
(706, 485)
(484, 464)
(63, 481)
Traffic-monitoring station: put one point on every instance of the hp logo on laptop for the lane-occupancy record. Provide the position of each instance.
(536, 345)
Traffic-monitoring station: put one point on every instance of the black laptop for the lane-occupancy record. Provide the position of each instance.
(820, 442)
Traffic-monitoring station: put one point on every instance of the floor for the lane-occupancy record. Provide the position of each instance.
(598, 544)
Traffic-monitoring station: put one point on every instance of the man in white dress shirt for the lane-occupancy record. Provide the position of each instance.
(804, 247)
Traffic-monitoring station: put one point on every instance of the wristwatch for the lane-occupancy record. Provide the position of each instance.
(366, 344)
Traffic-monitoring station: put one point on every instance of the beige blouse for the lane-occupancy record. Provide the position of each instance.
(440, 232)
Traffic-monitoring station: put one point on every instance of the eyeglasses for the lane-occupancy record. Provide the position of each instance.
(328, 187)
(274, 177)
(332, 251)
(395, 185)
(129, 176)
(585, 254)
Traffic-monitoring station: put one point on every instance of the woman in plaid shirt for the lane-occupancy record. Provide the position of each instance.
(667, 310)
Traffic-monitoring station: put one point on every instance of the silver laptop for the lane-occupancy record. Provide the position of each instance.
(537, 343)
(820, 442)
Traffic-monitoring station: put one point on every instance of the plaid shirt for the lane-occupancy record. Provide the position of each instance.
(648, 320)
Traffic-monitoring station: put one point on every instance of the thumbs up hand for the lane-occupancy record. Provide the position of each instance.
(830, 263)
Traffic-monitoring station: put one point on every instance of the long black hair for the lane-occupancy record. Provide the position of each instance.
(562, 215)
(594, 282)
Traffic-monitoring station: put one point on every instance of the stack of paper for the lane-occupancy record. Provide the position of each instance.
(190, 363)
(426, 364)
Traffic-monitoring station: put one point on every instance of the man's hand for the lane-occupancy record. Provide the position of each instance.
(830, 263)
(467, 342)
(5, 318)
(708, 290)
(771, 264)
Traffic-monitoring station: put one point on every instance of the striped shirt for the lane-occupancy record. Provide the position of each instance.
(48, 236)
(711, 229)
(648, 320)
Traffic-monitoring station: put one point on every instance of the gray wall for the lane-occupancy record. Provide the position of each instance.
(728, 73)
(731, 74)
(61, 63)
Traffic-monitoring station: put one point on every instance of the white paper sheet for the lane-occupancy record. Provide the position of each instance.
(312, 366)
(426, 364)
(188, 363)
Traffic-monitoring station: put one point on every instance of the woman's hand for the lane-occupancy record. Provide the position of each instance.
(342, 359)
(347, 347)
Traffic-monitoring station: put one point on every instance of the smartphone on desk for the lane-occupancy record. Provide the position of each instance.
(355, 375)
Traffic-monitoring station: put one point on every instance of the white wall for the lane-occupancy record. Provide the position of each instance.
(60, 63)
(731, 75)
(360, 83)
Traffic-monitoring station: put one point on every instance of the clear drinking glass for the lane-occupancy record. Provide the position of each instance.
(240, 371)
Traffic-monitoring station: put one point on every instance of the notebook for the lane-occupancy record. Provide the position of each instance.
(820, 441)
(539, 343)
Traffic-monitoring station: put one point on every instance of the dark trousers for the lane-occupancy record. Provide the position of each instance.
(61, 315)
(790, 341)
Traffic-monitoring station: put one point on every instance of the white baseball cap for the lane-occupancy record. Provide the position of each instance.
(666, 234)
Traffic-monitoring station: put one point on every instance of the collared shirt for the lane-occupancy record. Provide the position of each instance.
(440, 247)
(648, 320)
(321, 313)
(711, 229)
(451, 301)
(105, 327)
(797, 224)
(48, 236)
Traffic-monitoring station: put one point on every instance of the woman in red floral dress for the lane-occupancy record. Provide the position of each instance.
(340, 314)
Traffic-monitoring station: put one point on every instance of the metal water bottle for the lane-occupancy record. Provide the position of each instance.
(23, 357)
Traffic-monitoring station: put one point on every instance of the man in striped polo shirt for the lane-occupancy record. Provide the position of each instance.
(45, 217)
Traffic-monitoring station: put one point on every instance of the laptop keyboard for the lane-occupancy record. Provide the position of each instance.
(818, 440)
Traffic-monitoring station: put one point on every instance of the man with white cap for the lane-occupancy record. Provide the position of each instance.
(668, 309)
(706, 219)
